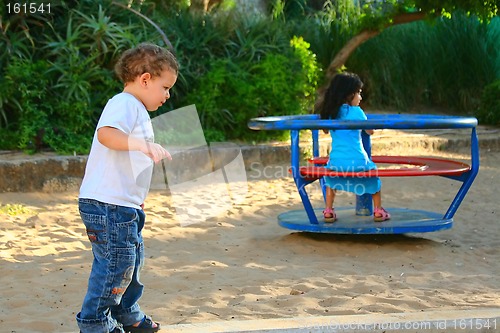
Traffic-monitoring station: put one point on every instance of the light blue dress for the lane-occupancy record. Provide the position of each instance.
(348, 155)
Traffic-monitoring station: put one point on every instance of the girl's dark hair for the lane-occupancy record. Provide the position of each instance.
(340, 91)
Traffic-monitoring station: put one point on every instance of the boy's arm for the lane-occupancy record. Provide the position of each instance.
(115, 139)
(369, 132)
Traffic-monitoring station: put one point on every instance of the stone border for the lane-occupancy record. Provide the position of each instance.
(48, 174)
(63, 173)
(52, 173)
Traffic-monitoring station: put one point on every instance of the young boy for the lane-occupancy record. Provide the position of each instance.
(115, 185)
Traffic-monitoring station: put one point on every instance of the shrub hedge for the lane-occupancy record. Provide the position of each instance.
(56, 69)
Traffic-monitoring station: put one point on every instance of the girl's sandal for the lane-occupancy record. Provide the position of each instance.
(381, 215)
(329, 215)
(146, 326)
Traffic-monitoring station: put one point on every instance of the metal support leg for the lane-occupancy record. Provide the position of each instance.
(364, 202)
(469, 176)
(299, 181)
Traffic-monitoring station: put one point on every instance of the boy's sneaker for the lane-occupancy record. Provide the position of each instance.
(380, 215)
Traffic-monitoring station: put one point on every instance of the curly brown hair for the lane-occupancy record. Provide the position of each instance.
(145, 58)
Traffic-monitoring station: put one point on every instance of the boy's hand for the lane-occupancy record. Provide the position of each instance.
(115, 139)
(156, 152)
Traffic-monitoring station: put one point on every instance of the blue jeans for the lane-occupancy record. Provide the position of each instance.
(114, 287)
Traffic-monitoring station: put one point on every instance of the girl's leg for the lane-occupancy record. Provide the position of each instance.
(379, 213)
(377, 200)
(329, 214)
(330, 197)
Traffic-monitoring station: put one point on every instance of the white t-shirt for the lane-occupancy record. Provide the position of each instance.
(120, 177)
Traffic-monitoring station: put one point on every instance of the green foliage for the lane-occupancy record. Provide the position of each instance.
(224, 81)
(45, 119)
(416, 65)
(288, 9)
(56, 82)
(26, 87)
(492, 42)
(377, 15)
(489, 112)
(170, 4)
(280, 81)
(310, 70)
(277, 83)
(56, 71)
(328, 30)
(239, 67)
(485, 9)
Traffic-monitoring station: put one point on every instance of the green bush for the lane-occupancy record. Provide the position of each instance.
(310, 70)
(57, 76)
(26, 87)
(45, 117)
(230, 94)
(56, 71)
(489, 112)
(235, 68)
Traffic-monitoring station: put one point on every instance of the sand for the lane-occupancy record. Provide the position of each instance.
(241, 265)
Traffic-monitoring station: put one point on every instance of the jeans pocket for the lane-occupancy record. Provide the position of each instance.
(125, 228)
(96, 227)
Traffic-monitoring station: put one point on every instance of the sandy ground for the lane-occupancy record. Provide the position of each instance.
(241, 265)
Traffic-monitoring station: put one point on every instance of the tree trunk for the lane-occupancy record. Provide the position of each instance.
(341, 57)
(345, 52)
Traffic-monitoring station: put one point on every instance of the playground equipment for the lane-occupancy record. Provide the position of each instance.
(359, 220)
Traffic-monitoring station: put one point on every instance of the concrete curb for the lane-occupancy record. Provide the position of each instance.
(478, 320)
(48, 174)
(52, 173)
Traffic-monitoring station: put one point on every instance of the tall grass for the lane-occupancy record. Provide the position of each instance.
(446, 64)
(493, 43)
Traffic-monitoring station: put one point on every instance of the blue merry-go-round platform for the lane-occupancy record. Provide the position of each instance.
(403, 220)
(359, 219)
